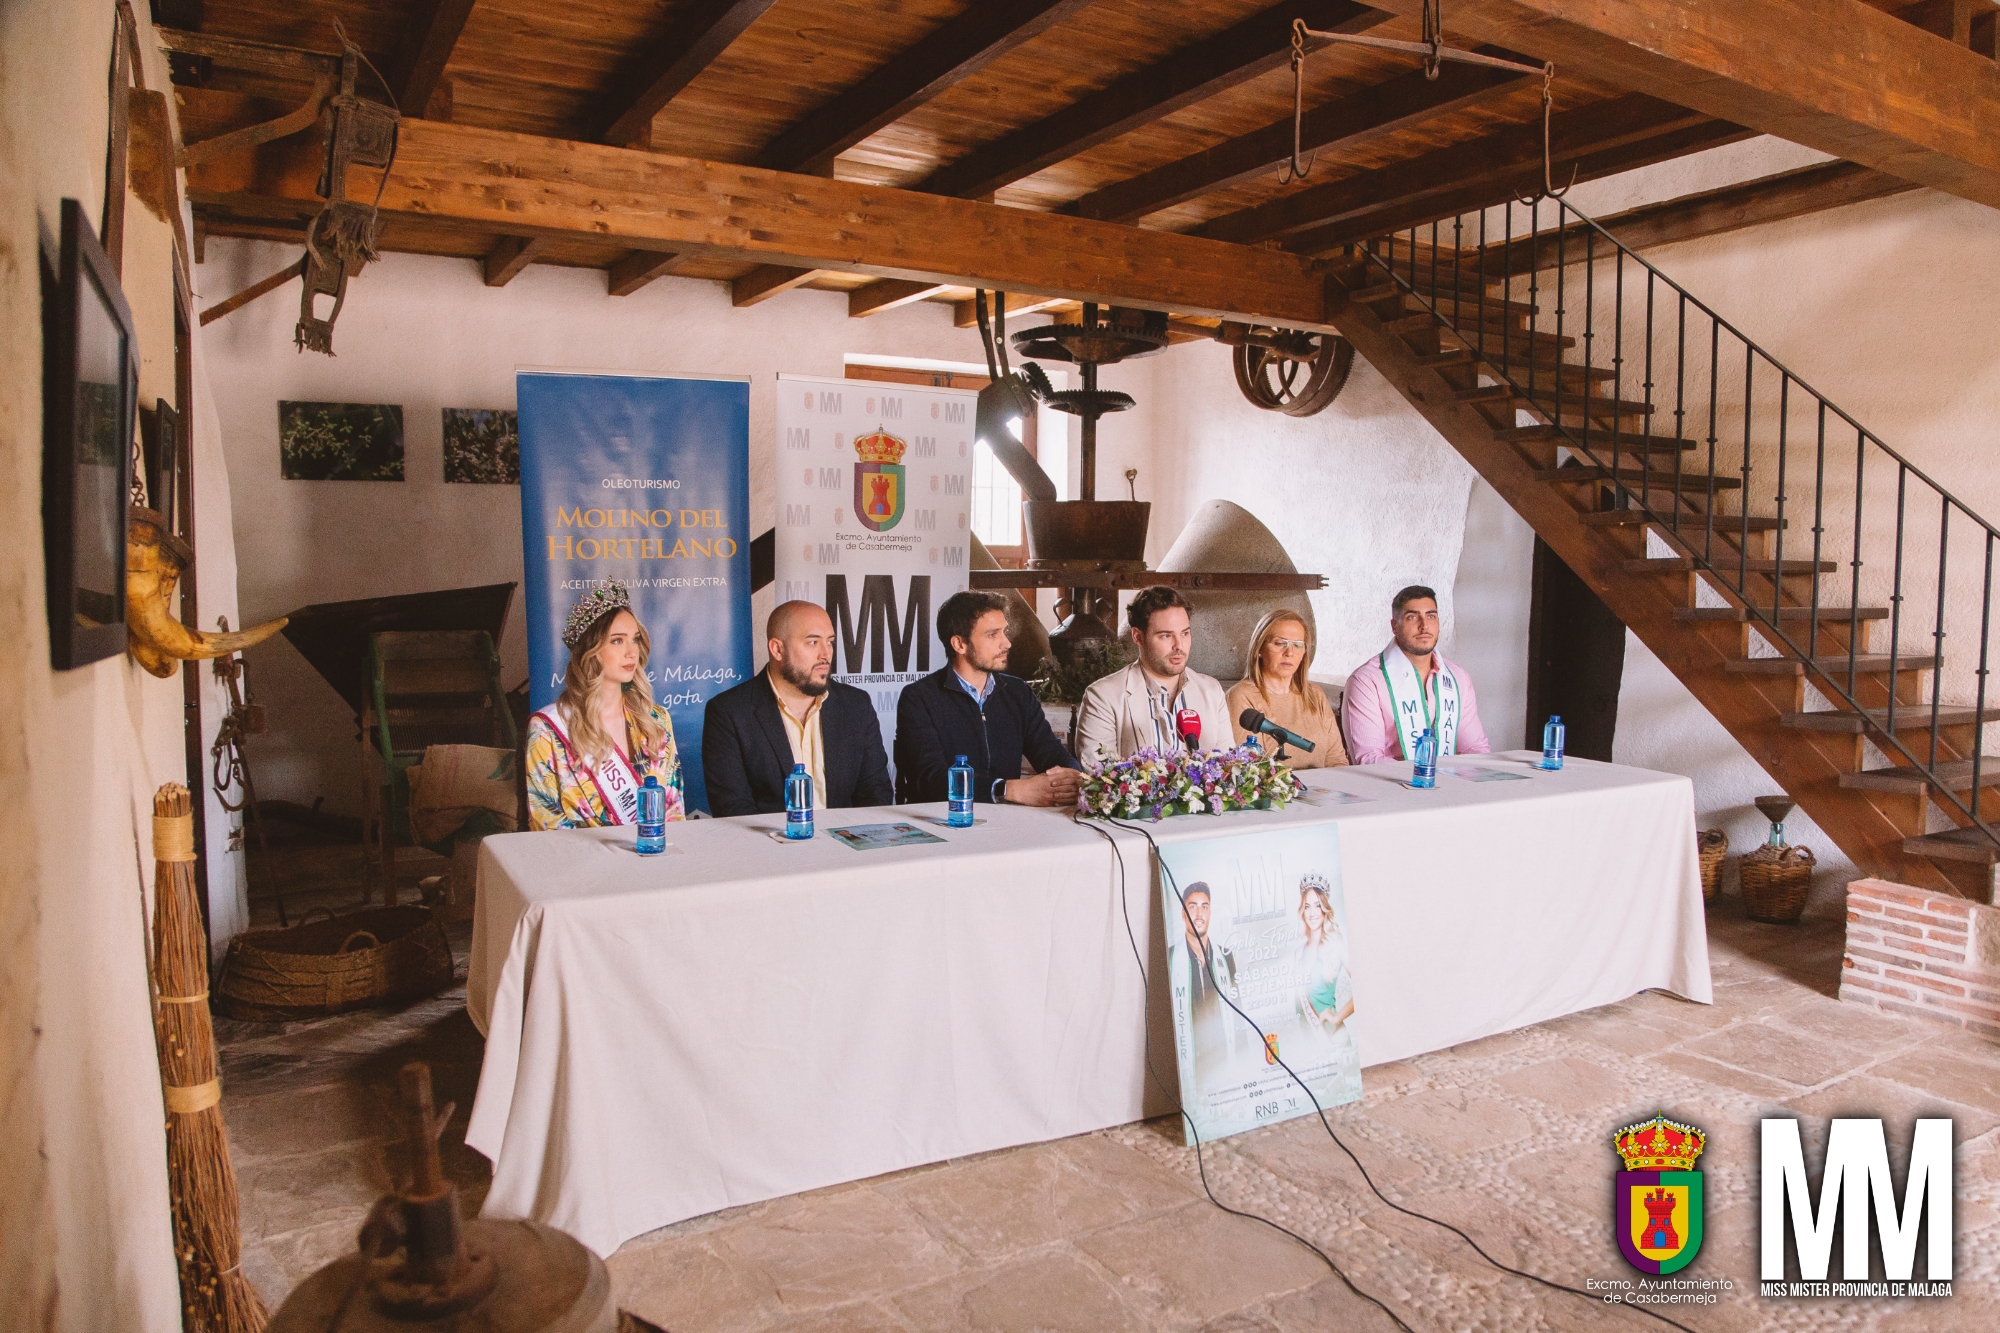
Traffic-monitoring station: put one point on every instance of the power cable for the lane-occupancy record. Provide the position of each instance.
(1320, 1111)
(1201, 1166)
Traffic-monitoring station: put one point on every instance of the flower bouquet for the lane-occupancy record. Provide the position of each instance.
(1152, 785)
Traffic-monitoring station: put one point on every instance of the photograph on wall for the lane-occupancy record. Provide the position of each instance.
(340, 441)
(1259, 923)
(482, 445)
(874, 521)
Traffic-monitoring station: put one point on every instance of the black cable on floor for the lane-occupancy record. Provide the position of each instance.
(1168, 876)
(1201, 1167)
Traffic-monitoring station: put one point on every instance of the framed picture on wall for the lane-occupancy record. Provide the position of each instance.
(160, 435)
(90, 392)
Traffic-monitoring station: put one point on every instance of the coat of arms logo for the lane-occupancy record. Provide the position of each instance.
(1657, 1209)
(878, 480)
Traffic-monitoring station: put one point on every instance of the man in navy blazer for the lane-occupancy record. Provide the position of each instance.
(972, 708)
(793, 712)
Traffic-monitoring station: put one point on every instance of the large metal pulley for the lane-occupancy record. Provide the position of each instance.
(1289, 371)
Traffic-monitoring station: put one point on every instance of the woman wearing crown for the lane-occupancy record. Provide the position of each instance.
(590, 751)
(1326, 994)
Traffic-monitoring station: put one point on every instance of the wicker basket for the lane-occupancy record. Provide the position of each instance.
(379, 955)
(1775, 881)
(1712, 845)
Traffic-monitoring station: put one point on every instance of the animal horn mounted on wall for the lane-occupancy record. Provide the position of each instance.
(154, 562)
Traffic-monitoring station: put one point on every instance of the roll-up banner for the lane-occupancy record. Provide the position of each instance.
(874, 521)
(644, 479)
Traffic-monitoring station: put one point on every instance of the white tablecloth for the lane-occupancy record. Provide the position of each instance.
(741, 1019)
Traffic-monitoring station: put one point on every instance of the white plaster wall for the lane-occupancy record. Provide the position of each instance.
(1365, 493)
(429, 334)
(85, 1233)
(1885, 307)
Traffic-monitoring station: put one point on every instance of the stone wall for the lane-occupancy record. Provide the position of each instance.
(1915, 951)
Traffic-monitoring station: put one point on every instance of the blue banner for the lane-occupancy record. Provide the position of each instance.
(645, 480)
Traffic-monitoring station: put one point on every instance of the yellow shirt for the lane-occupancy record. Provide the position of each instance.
(807, 748)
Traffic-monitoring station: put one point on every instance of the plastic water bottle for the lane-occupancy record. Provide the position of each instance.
(1552, 743)
(799, 803)
(958, 790)
(652, 818)
(1424, 773)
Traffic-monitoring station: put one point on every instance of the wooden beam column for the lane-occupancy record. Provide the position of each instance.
(420, 61)
(526, 185)
(946, 58)
(701, 31)
(1837, 75)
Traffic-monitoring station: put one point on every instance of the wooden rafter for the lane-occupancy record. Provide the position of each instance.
(965, 314)
(950, 55)
(1405, 100)
(1788, 194)
(637, 269)
(1836, 75)
(1192, 74)
(701, 30)
(1497, 156)
(1456, 198)
(945, 59)
(434, 27)
(525, 185)
(768, 280)
(504, 262)
(889, 294)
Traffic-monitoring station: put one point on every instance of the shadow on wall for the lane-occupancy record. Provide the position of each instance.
(1662, 726)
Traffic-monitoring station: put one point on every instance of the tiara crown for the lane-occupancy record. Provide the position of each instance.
(1659, 1144)
(599, 601)
(879, 446)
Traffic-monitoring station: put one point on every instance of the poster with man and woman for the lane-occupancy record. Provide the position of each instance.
(1257, 956)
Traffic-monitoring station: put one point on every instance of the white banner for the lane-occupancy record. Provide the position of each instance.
(874, 521)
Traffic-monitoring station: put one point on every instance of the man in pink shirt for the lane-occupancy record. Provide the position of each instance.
(1409, 688)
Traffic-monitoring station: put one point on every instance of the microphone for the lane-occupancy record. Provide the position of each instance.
(1254, 721)
(1188, 723)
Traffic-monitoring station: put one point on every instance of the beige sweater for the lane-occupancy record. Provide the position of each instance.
(1290, 712)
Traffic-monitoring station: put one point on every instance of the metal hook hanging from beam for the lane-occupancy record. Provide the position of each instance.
(1434, 53)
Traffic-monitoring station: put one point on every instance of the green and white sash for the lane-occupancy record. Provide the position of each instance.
(1417, 709)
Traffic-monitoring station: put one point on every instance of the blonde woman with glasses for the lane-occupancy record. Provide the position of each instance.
(1275, 684)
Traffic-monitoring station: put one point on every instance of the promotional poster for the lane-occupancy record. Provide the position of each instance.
(874, 521)
(1259, 921)
(646, 480)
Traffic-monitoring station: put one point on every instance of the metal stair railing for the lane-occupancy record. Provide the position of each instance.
(1694, 363)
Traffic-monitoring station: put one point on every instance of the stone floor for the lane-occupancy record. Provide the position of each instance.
(1507, 1138)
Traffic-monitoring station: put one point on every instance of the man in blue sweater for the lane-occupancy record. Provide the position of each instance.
(970, 708)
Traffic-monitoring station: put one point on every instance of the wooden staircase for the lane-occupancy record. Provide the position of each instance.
(1741, 606)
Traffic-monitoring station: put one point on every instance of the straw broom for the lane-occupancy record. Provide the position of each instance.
(215, 1296)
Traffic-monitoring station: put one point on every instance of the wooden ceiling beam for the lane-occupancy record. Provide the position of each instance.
(948, 56)
(768, 280)
(504, 262)
(1403, 101)
(523, 185)
(1496, 156)
(637, 269)
(965, 314)
(889, 294)
(1196, 72)
(1490, 190)
(1836, 75)
(701, 30)
(1788, 194)
(420, 60)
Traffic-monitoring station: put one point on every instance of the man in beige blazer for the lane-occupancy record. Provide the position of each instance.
(1137, 708)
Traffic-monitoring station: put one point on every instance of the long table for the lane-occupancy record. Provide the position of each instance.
(742, 1018)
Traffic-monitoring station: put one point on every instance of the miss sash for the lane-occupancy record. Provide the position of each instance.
(617, 785)
(1410, 704)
